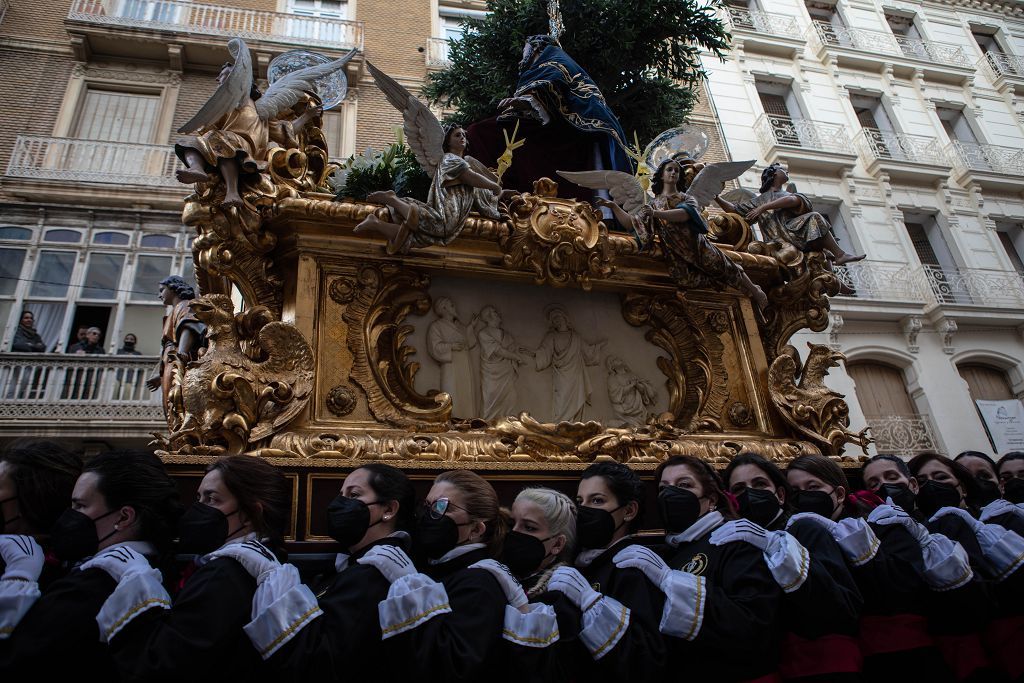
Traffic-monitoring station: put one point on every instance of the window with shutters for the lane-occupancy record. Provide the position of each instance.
(881, 390)
(450, 18)
(985, 383)
(1011, 248)
(922, 246)
(305, 24)
(933, 252)
(111, 116)
(783, 113)
(828, 21)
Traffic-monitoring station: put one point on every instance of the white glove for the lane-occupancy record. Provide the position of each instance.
(119, 561)
(569, 582)
(646, 560)
(824, 522)
(741, 530)
(254, 557)
(389, 560)
(973, 524)
(23, 557)
(891, 513)
(998, 508)
(514, 592)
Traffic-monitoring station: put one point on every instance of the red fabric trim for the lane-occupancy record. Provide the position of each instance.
(963, 654)
(829, 654)
(1005, 642)
(893, 633)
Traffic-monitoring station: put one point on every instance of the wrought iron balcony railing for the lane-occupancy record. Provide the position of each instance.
(217, 20)
(974, 156)
(887, 145)
(53, 386)
(887, 43)
(904, 435)
(762, 22)
(774, 130)
(974, 286)
(1003, 64)
(437, 53)
(881, 281)
(93, 161)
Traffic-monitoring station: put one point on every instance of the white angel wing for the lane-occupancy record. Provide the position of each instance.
(423, 132)
(708, 182)
(624, 188)
(232, 92)
(288, 90)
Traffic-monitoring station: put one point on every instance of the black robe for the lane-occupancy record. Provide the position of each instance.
(200, 637)
(559, 660)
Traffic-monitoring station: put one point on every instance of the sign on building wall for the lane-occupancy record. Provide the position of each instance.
(1005, 422)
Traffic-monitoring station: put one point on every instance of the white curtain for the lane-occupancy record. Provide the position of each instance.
(49, 318)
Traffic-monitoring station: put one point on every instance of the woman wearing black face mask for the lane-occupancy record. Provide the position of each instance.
(447, 623)
(335, 634)
(242, 501)
(122, 500)
(821, 614)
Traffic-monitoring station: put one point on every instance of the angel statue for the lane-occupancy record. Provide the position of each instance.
(674, 218)
(461, 183)
(230, 135)
(788, 216)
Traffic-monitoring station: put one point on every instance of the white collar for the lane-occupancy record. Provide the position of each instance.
(251, 536)
(587, 557)
(457, 552)
(341, 559)
(708, 522)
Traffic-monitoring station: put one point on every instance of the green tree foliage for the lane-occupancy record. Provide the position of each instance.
(644, 55)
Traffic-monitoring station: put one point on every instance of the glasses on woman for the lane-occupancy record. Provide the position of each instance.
(440, 507)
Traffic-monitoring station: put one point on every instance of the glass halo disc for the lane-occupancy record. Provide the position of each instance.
(331, 89)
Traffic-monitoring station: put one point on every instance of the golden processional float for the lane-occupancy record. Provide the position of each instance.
(533, 344)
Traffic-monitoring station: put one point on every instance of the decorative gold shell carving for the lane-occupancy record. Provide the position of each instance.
(562, 240)
(383, 296)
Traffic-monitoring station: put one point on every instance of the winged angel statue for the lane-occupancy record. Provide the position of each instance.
(673, 217)
(231, 133)
(461, 183)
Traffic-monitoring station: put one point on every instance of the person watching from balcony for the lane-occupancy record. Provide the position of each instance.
(128, 349)
(26, 337)
(90, 345)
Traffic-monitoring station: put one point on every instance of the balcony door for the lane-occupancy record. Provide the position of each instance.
(895, 423)
(106, 120)
(308, 21)
(875, 122)
(783, 112)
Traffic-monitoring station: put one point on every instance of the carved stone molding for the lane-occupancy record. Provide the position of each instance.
(383, 296)
(947, 328)
(911, 327)
(562, 241)
(697, 376)
(815, 411)
(835, 327)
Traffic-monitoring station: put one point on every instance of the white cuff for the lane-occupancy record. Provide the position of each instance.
(946, 564)
(998, 508)
(536, 628)
(787, 560)
(683, 614)
(133, 595)
(1003, 548)
(412, 600)
(857, 540)
(276, 583)
(16, 598)
(604, 624)
(280, 621)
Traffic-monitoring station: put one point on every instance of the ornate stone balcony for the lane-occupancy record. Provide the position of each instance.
(907, 158)
(54, 394)
(864, 48)
(990, 166)
(180, 32)
(437, 53)
(805, 144)
(765, 32)
(1007, 70)
(904, 435)
(882, 281)
(974, 286)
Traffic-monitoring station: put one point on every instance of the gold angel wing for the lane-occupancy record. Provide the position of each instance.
(624, 188)
(286, 377)
(708, 183)
(423, 132)
(288, 90)
(232, 92)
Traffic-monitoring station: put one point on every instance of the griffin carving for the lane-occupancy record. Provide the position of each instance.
(817, 412)
(255, 378)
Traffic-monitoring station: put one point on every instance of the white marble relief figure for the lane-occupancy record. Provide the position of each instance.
(500, 358)
(629, 394)
(449, 342)
(568, 355)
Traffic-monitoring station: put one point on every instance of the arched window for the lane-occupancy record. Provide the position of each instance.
(72, 236)
(986, 383)
(110, 238)
(895, 423)
(159, 241)
(9, 232)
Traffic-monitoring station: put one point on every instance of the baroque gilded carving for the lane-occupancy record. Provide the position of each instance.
(383, 296)
(341, 401)
(806, 404)
(562, 240)
(255, 378)
(802, 301)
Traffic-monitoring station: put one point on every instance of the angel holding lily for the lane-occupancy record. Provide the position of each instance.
(461, 184)
(673, 217)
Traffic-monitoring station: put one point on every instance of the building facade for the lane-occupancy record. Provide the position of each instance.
(901, 120)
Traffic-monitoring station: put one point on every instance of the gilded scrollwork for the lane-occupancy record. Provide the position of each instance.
(801, 302)
(815, 411)
(562, 241)
(341, 400)
(384, 295)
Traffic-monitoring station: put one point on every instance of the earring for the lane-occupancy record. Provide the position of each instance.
(116, 528)
(387, 517)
